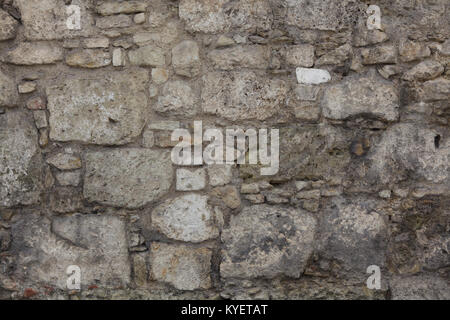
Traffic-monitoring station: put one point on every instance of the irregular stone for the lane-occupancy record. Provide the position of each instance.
(267, 241)
(71, 178)
(250, 188)
(160, 75)
(419, 287)
(37, 103)
(354, 234)
(127, 177)
(312, 76)
(226, 95)
(65, 200)
(107, 8)
(300, 55)
(255, 57)
(40, 119)
(119, 21)
(188, 180)
(186, 218)
(118, 59)
(139, 18)
(364, 37)
(31, 53)
(148, 139)
(93, 110)
(183, 267)
(255, 198)
(410, 51)
(357, 96)
(27, 87)
(410, 148)
(311, 15)
(139, 269)
(149, 56)
(337, 57)
(307, 111)
(177, 98)
(213, 16)
(386, 53)
(8, 96)
(388, 71)
(310, 194)
(437, 89)
(224, 41)
(47, 19)
(20, 161)
(426, 70)
(228, 195)
(95, 243)
(65, 161)
(93, 43)
(8, 26)
(186, 58)
(89, 58)
(219, 174)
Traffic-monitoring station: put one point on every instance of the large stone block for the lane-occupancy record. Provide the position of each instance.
(361, 96)
(127, 177)
(227, 95)
(183, 267)
(31, 53)
(8, 91)
(97, 244)
(186, 218)
(102, 109)
(47, 19)
(267, 241)
(256, 57)
(8, 26)
(20, 160)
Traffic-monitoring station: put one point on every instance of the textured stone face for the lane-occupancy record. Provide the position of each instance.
(99, 110)
(183, 267)
(97, 244)
(187, 218)
(186, 59)
(177, 98)
(31, 53)
(267, 241)
(361, 96)
(20, 161)
(8, 26)
(226, 95)
(256, 57)
(127, 177)
(8, 91)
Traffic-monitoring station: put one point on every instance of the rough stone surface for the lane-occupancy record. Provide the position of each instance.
(8, 95)
(90, 58)
(186, 218)
(103, 110)
(265, 241)
(8, 26)
(186, 58)
(127, 177)
(357, 96)
(147, 56)
(188, 180)
(426, 70)
(255, 57)
(300, 56)
(183, 267)
(177, 98)
(20, 161)
(31, 53)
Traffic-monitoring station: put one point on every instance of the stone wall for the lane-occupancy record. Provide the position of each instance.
(86, 177)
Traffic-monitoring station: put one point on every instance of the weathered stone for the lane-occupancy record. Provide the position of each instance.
(150, 56)
(183, 267)
(226, 95)
(107, 8)
(186, 218)
(337, 57)
(388, 71)
(364, 37)
(228, 195)
(127, 177)
(65, 200)
(410, 148)
(20, 161)
(37, 103)
(177, 98)
(256, 57)
(8, 91)
(307, 111)
(437, 89)
(186, 58)
(47, 19)
(300, 55)
(386, 53)
(90, 58)
(410, 51)
(27, 87)
(219, 174)
(267, 241)
(97, 244)
(93, 43)
(119, 21)
(118, 59)
(354, 234)
(139, 18)
(420, 287)
(426, 70)
(250, 188)
(8, 26)
(213, 16)
(65, 161)
(188, 180)
(358, 96)
(224, 41)
(104, 109)
(160, 75)
(28, 53)
(139, 269)
(71, 178)
(312, 76)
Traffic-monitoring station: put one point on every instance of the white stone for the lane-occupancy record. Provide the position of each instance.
(312, 76)
(188, 180)
(118, 57)
(219, 174)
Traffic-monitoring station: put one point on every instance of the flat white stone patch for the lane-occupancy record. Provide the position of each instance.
(312, 76)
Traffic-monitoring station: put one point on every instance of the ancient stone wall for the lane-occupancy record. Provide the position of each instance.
(91, 92)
